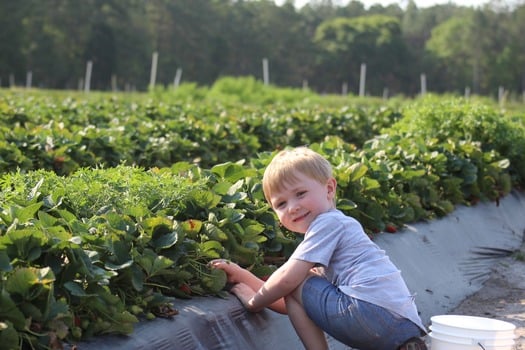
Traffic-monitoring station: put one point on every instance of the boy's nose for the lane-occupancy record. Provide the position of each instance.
(293, 206)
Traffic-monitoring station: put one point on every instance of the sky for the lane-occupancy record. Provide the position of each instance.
(419, 3)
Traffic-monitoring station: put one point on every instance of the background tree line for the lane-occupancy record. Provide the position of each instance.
(321, 44)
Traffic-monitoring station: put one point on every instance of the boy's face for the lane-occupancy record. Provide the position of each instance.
(299, 203)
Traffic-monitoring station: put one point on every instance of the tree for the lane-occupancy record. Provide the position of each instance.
(12, 39)
(451, 44)
(517, 30)
(375, 40)
(323, 42)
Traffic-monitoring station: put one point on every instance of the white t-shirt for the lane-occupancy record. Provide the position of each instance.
(357, 266)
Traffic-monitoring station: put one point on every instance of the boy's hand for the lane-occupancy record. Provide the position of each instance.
(233, 271)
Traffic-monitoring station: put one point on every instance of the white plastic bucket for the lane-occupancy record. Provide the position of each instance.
(453, 332)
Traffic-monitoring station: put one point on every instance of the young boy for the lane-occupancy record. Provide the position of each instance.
(337, 280)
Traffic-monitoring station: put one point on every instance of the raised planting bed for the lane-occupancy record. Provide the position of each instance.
(443, 261)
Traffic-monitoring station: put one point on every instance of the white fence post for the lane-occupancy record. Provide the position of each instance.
(344, 89)
(266, 72)
(501, 96)
(153, 73)
(176, 80)
(423, 79)
(87, 80)
(29, 79)
(114, 86)
(305, 84)
(362, 80)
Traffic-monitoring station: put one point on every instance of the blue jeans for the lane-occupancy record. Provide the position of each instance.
(354, 322)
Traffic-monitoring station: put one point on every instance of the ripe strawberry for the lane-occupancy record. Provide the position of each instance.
(390, 228)
(185, 289)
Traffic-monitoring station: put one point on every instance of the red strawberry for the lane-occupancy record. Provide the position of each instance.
(390, 228)
(185, 289)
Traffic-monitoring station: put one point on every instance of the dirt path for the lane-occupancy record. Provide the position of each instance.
(502, 296)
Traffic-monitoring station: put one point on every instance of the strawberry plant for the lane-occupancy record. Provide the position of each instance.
(117, 245)
(111, 208)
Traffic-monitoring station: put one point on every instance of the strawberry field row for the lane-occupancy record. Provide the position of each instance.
(63, 134)
(153, 191)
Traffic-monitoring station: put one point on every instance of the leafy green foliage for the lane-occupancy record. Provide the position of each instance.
(64, 134)
(498, 136)
(113, 245)
(89, 245)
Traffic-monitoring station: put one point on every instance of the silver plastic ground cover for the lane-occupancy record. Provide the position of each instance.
(440, 261)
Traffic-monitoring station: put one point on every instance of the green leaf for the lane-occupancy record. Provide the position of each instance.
(211, 249)
(165, 240)
(253, 229)
(231, 215)
(502, 164)
(34, 191)
(122, 323)
(215, 233)
(215, 281)
(159, 264)
(114, 267)
(137, 211)
(157, 224)
(50, 201)
(30, 282)
(75, 240)
(5, 262)
(356, 171)
(67, 216)
(137, 278)
(153, 264)
(27, 213)
(222, 187)
(120, 222)
(28, 243)
(120, 255)
(370, 184)
(10, 312)
(191, 227)
(410, 174)
(206, 199)
(46, 220)
(231, 172)
(8, 335)
(76, 289)
(346, 204)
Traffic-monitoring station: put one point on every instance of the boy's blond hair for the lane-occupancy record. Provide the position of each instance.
(286, 164)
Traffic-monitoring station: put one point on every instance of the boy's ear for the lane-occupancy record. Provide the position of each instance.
(331, 186)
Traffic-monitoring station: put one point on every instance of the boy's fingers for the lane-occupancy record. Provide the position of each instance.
(216, 262)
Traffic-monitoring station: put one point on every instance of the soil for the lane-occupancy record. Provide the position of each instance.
(502, 296)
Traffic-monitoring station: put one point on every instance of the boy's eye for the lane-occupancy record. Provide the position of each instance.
(280, 204)
(301, 193)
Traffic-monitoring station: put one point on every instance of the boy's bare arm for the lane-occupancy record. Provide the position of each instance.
(238, 275)
(280, 284)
